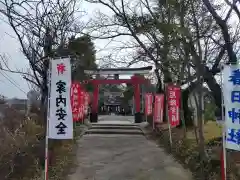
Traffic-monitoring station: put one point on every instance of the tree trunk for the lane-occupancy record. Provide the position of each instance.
(159, 82)
(214, 87)
(186, 111)
(44, 99)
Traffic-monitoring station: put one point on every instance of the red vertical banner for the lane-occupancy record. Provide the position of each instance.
(81, 107)
(81, 113)
(148, 104)
(82, 94)
(158, 108)
(86, 102)
(75, 100)
(173, 98)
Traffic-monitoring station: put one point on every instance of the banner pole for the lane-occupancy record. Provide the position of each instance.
(153, 123)
(145, 109)
(169, 124)
(47, 125)
(146, 102)
(46, 156)
(46, 153)
(153, 119)
(223, 152)
(145, 117)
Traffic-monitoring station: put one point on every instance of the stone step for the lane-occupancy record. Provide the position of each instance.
(114, 127)
(106, 124)
(114, 131)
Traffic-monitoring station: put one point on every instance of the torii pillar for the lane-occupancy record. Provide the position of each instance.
(135, 81)
(94, 111)
(137, 100)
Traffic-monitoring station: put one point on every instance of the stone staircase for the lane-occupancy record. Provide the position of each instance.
(124, 129)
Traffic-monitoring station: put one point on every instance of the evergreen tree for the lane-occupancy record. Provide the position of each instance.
(83, 56)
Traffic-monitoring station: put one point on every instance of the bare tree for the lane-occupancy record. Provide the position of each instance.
(225, 27)
(126, 21)
(167, 34)
(40, 27)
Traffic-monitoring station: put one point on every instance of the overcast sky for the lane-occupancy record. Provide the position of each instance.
(13, 85)
(10, 47)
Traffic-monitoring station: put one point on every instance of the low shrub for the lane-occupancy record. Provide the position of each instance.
(19, 139)
(22, 149)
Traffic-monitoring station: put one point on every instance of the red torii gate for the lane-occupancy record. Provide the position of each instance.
(135, 81)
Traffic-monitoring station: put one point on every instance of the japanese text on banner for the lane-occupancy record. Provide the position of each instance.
(174, 105)
(158, 108)
(86, 102)
(82, 101)
(75, 100)
(60, 120)
(231, 94)
(148, 103)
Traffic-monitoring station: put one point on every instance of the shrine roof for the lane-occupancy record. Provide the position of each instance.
(126, 71)
(112, 104)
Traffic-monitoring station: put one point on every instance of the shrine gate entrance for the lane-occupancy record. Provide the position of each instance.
(113, 78)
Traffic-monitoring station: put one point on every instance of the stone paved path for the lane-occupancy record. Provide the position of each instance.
(124, 157)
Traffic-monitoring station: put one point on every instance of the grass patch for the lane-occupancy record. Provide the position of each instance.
(211, 130)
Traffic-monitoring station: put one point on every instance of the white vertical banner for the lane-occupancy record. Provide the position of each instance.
(60, 120)
(231, 95)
